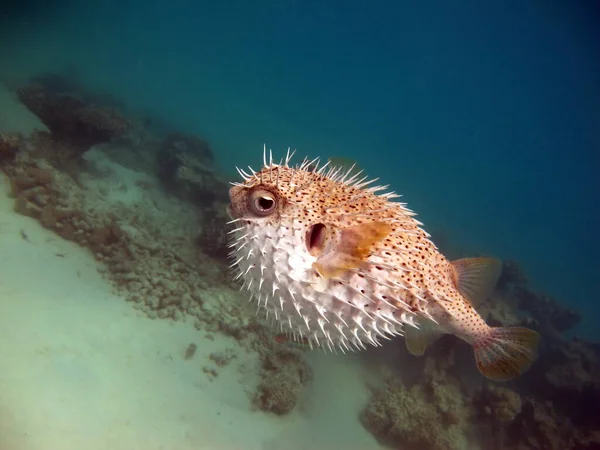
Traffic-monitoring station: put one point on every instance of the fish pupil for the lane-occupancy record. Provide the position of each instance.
(315, 238)
(265, 203)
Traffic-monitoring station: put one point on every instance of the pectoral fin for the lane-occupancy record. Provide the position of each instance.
(351, 248)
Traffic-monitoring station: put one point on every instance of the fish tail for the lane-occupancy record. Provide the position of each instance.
(504, 353)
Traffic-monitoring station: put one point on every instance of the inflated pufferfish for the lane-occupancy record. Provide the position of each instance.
(338, 264)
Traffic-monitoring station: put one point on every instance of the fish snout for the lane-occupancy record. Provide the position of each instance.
(237, 202)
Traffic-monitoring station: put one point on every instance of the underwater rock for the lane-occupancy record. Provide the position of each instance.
(74, 125)
(572, 383)
(69, 82)
(55, 83)
(513, 276)
(185, 167)
(9, 146)
(500, 311)
(213, 239)
(135, 149)
(552, 317)
(538, 427)
(548, 312)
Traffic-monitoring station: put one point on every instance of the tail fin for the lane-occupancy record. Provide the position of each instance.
(506, 353)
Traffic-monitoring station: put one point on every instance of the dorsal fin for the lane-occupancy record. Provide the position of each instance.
(475, 278)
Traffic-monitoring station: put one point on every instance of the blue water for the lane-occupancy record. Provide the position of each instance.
(485, 115)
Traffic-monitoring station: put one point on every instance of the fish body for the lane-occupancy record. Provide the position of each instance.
(337, 263)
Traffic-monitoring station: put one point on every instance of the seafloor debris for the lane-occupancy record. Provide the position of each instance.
(190, 351)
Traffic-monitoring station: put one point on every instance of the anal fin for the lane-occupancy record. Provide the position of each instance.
(418, 339)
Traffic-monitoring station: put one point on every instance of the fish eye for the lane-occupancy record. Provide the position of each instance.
(263, 203)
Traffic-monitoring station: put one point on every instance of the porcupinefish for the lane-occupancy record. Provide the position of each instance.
(340, 263)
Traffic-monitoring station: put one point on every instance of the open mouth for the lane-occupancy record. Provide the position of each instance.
(315, 239)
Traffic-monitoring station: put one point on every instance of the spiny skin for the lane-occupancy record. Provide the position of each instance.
(403, 278)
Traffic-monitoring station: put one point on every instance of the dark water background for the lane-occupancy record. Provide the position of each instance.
(485, 115)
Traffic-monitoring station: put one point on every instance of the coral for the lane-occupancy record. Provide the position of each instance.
(283, 375)
(427, 416)
(148, 260)
(77, 126)
(496, 409)
(497, 404)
